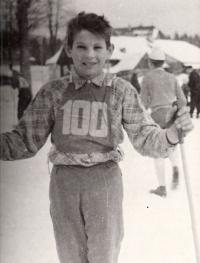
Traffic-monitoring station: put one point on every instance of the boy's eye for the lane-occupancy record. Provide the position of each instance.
(81, 47)
(98, 47)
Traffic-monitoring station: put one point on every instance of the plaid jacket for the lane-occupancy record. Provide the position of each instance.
(37, 123)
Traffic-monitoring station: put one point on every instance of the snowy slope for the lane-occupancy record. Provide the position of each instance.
(156, 229)
(159, 229)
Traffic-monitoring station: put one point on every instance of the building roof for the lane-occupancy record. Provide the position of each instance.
(128, 62)
(186, 53)
(139, 31)
(124, 45)
(54, 59)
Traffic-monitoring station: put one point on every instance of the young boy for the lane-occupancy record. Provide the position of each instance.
(85, 115)
(159, 90)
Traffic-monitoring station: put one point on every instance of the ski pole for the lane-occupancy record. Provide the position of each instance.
(14, 105)
(189, 192)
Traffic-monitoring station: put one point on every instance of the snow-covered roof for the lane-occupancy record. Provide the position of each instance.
(55, 57)
(128, 62)
(124, 45)
(5, 71)
(186, 53)
(129, 50)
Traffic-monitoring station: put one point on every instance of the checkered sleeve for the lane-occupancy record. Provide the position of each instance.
(144, 94)
(32, 130)
(145, 135)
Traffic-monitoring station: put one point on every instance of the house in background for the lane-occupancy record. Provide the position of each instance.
(183, 51)
(131, 54)
(59, 64)
(139, 63)
(148, 32)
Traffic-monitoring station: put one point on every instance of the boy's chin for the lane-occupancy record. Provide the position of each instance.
(89, 75)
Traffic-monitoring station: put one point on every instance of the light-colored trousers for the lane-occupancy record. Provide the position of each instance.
(86, 211)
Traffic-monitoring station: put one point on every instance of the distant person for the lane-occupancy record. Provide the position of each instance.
(15, 79)
(194, 84)
(134, 82)
(159, 89)
(19, 82)
(186, 91)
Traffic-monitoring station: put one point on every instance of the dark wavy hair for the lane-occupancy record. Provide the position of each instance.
(97, 25)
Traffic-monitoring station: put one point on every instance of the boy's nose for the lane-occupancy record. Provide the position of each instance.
(90, 53)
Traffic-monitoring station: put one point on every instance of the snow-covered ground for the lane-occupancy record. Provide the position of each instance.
(156, 229)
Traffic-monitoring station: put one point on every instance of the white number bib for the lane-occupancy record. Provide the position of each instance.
(84, 117)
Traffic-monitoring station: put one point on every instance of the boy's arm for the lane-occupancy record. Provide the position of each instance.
(144, 93)
(145, 135)
(32, 130)
(182, 122)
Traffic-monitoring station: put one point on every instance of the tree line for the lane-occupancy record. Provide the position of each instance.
(194, 40)
(19, 19)
(40, 48)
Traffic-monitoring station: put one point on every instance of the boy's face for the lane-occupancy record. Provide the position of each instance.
(89, 53)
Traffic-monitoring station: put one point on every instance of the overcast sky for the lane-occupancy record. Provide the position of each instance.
(169, 16)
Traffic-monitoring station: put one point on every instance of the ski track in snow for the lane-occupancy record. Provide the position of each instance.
(156, 229)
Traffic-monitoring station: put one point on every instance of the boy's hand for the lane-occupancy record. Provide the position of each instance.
(182, 121)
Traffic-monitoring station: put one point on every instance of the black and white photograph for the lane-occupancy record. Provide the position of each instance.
(100, 131)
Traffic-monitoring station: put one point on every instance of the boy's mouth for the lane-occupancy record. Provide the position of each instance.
(89, 63)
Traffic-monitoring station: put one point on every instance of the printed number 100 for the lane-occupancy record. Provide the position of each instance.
(84, 117)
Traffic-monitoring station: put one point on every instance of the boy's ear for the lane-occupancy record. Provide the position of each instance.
(110, 50)
(68, 51)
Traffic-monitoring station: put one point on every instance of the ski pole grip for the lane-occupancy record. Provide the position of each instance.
(180, 131)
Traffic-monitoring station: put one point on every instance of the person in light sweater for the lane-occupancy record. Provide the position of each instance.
(159, 89)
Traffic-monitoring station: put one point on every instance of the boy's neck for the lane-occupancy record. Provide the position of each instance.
(73, 71)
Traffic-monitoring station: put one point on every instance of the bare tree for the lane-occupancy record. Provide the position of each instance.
(8, 21)
(53, 26)
(29, 15)
(58, 14)
(22, 12)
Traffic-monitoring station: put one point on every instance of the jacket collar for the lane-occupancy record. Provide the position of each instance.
(101, 80)
(157, 69)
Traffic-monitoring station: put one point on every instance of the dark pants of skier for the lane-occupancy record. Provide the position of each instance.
(24, 100)
(86, 211)
(195, 103)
